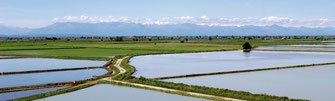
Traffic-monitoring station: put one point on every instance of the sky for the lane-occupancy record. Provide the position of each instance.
(291, 13)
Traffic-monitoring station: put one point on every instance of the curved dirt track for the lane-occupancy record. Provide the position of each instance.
(122, 70)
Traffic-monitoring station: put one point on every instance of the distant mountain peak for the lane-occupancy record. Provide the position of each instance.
(136, 29)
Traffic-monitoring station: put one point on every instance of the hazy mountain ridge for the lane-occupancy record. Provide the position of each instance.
(133, 29)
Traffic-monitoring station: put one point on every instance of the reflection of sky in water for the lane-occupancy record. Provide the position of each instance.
(19, 94)
(314, 83)
(25, 64)
(48, 77)
(321, 47)
(106, 92)
(205, 62)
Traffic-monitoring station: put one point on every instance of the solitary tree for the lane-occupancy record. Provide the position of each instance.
(247, 47)
(118, 38)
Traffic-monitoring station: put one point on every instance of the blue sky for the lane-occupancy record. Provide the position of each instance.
(37, 13)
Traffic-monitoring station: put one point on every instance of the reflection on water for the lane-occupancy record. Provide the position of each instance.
(319, 47)
(246, 54)
(106, 92)
(25, 64)
(191, 63)
(48, 77)
(19, 94)
(4, 56)
(314, 83)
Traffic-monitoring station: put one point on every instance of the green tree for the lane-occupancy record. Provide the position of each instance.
(247, 45)
(118, 38)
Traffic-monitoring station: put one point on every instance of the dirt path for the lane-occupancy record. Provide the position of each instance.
(118, 65)
(175, 91)
(122, 70)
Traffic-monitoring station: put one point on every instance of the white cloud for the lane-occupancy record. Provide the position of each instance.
(205, 20)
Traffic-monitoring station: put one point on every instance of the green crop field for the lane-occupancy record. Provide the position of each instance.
(100, 49)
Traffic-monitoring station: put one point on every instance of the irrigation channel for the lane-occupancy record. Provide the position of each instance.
(45, 74)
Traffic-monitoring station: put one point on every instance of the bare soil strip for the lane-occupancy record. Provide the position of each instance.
(49, 70)
(240, 71)
(118, 65)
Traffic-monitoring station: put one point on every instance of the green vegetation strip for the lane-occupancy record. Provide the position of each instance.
(183, 93)
(241, 71)
(40, 48)
(207, 90)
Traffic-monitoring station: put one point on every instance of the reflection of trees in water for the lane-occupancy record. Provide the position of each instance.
(246, 54)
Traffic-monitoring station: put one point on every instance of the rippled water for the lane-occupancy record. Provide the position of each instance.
(19, 94)
(48, 77)
(25, 64)
(190, 63)
(106, 92)
(314, 83)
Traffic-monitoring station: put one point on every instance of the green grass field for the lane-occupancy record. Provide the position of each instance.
(97, 49)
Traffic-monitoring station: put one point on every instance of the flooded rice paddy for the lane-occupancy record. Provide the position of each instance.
(318, 47)
(107, 92)
(48, 77)
(151, 66)
(313, 83)
(19, 94)
(26, 64)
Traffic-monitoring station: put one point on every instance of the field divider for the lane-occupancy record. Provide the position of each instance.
(168, 90)
(32, 87)
(240, 71)
(49, 70)
(14, 57)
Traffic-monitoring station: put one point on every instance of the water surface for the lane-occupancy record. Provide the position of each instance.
(5, 56)
(314, 83)
(19, 94)
(106, 92)
(318, 47)
(25, 64)
(48, 77)
(191, 63)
